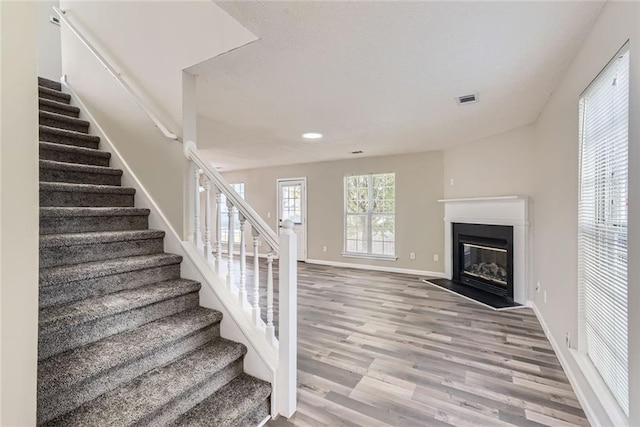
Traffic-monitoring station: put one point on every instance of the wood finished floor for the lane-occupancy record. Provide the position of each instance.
(384, 349)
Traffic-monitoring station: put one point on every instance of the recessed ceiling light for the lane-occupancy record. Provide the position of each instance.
(312, 135)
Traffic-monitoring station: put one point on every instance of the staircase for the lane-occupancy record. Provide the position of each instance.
(122, 339)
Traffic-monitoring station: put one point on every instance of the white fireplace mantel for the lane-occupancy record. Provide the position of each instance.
(503, 210)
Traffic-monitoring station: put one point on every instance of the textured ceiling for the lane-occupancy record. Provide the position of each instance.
(380, 77)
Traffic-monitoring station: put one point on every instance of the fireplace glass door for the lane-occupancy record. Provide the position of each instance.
(486, 263)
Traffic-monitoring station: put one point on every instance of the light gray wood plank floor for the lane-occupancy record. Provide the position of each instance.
(380, 349)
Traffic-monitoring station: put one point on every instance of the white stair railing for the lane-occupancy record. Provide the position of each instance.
(204, 176)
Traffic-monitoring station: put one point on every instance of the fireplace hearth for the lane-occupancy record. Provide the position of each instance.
(483, 257)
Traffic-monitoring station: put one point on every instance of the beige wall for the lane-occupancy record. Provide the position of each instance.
(556, 158)
(49, 53)
(18, 214)
(499, 165)
(419, 217)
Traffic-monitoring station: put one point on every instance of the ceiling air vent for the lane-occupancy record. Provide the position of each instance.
(467, 99)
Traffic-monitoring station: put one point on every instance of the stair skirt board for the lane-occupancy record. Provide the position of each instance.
(122, 338)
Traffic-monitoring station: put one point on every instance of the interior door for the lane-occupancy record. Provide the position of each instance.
(292, 204)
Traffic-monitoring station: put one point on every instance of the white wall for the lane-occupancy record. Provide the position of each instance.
(499, 165)
(175, 35)
(419, 217)
(556, 194)
(49, 50)
(18, 214)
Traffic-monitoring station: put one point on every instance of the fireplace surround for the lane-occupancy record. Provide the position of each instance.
(510, 211)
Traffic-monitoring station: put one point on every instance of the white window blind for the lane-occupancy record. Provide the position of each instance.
(602, 229)
(370, 219)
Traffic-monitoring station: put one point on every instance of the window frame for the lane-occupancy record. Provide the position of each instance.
(369, 215)
(239, 188)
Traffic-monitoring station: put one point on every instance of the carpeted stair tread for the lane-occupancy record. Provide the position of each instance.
(229, 405)
(56, 212)
(62, 121)
(72, 239)
(77, 365)
(137, 401)
(51, 84)
(86, 310)
(89, 270)
(51, 164)
(58, 107)
(76, 376)
(57, 95)
(73, 154)
(85, 188)
(68, 137)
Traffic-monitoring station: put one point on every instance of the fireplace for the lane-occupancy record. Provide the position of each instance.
(483, 257)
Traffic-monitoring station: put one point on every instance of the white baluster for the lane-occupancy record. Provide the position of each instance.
(271, 333)
(196, 207)
(218, 230)
(242, 294)
(230, 236)
(208, 251)
(255, 313)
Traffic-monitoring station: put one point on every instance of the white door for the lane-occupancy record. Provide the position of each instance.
(292, 204)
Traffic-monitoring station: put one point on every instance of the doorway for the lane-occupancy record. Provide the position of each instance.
(292, 204)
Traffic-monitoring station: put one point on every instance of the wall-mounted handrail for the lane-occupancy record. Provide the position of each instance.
(165, 131)
(267, 233)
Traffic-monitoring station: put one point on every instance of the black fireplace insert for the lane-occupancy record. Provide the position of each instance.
(483, 257)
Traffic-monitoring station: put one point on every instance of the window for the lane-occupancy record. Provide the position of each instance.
(370, 220)
(602, 225)
(224, 216)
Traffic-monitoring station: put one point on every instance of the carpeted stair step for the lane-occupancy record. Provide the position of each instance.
(242, 402)
(67, 326)
(162, 394)
(58, 107)
(54, 95)
(51, 84)
(61, 285)
(85, 195)
(52, 171)
(62, 121)
(68, 137)
(72, 378)
(72, 154)
(77, 248)
(85, 220)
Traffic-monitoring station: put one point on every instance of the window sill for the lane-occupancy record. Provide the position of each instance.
(369, 256)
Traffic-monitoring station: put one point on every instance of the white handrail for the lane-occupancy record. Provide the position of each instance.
(117, 76)
(238, 202)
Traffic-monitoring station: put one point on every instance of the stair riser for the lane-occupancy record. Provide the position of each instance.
(51, 84)
(67, 140)
(256, 416)
(58, 110)
(78, 199)
(62, 124)
(59, 401)
(54, 97)
(86, 224)
(89, 288)
(77, 177)
(52, 342)
(79, 158)
(171, 411)
(65, 255)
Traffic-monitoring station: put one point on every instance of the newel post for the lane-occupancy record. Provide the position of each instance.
(288, 320)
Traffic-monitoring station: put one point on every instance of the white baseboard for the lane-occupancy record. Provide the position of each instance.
(592, 416)
(376, 268)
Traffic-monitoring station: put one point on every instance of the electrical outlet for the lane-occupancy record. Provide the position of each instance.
(324, 249)
(436, 257)
(544, 295)
(268, 214)
(451, 182)
(568, 339)
(412, 255)
(538, 286)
